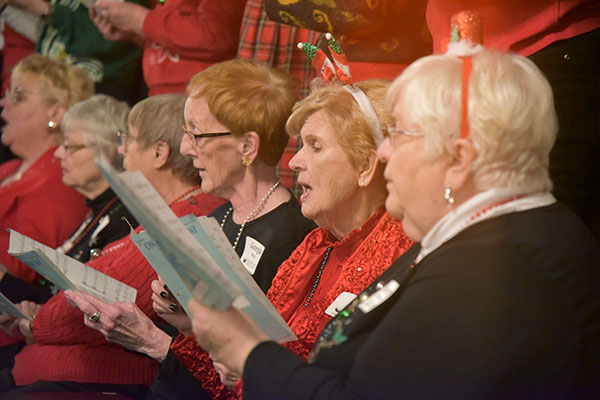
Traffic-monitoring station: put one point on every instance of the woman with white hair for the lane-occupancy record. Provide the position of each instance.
(90, 130)
(500, 298)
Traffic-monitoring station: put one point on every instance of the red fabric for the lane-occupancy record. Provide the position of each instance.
(38, 205)
(520, 26)
(182, 37)
(353, 264)
(72, 352)
(16, 47)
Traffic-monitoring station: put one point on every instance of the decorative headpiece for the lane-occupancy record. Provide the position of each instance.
(338, 69)
(466, 36)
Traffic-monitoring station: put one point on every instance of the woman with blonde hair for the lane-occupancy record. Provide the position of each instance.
(33, 198)
(499, 299)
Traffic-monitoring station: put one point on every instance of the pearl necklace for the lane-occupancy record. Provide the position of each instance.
(252, 214)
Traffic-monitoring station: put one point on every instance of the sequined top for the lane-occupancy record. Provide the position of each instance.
(354, 262)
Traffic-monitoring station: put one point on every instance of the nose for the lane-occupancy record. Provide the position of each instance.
(186, 148)
(59, 152)
(297, 162)
(383, 151)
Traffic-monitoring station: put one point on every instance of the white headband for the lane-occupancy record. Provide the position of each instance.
(368, 110)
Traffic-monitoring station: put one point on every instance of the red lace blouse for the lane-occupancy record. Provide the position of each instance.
(353, 264)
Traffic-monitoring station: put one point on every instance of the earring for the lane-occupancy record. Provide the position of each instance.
(51, 124)
(246, 162)
(448, 196)
(361, 183)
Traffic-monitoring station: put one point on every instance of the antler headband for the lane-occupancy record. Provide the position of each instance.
(340, 70)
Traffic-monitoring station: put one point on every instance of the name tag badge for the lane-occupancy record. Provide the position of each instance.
(340, 303)
(253, 251)
(379, 296)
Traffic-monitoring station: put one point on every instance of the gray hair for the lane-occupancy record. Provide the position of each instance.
(512, 120)
(99, 118)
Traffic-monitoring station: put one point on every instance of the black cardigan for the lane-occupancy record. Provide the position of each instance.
(509, 308)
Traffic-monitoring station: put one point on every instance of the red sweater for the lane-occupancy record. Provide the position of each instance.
(66, 350)
(520, 26)
(353, 264)
(185, 36)
(38, 205)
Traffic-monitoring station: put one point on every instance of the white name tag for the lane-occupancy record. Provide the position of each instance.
(340, 303)
(379, 296)
(253, 251)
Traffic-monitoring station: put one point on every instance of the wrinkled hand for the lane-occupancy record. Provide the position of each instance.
(10, 325)
(228, 378)
(167, 307)
(124, 16)
(228, 336)
(122, 323)
(109, 31)
(30, 309)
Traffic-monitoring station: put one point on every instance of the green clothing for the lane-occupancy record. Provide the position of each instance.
(115, 67)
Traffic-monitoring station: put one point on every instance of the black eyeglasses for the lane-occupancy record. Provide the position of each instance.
(195, 137)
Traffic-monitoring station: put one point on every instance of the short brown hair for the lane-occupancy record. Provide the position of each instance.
(160, 119)
(63, 83)
(247, 95)
(348, 121)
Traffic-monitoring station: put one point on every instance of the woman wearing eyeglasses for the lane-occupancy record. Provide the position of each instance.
(501, 297)
(33, 198)
(88, 132)
(77, 358)
(235, 117)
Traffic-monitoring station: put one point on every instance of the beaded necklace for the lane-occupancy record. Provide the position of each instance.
(92, 224)
(314, 288)
(182, 196)
(252, 214)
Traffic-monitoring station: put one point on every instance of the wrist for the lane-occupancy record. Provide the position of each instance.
(158, 345)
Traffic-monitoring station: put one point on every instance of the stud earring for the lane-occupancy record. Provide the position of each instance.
(51, 124)
(448, 196)
(246, 162)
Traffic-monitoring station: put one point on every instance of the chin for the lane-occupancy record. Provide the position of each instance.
(394, 210)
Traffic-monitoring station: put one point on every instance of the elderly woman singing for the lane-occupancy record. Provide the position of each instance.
(344, 192)
(501, 297)
(74, 357)
(234, 133)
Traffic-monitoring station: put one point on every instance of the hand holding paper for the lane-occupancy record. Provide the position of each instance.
(66, 272)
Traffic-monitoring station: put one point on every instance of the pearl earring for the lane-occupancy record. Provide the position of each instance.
(448, 196)
(51, 124)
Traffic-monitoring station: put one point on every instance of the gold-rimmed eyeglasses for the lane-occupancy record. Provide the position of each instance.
(396, 133)
(15, 95)
(195, 137)
(72, 148)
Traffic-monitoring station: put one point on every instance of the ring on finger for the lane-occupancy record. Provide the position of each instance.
(95, 317)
